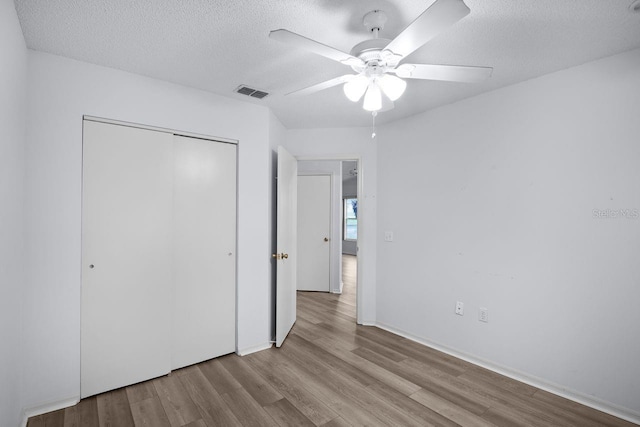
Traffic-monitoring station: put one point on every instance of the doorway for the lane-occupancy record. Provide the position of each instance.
(341, 217)
(349, 232)
(357, 308)
(349, 280)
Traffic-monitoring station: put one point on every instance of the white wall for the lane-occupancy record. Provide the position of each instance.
(60, 92)
(350, 143)
(334, 169)
(491, 201)
(13, 86)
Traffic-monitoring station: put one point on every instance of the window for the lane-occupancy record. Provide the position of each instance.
(350, 214)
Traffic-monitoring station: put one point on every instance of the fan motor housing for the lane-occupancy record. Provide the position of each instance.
(370, 50)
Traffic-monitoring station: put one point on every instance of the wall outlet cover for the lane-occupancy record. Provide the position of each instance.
(460, 308)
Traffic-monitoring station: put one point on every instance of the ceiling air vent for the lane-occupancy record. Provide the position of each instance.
(255, 93)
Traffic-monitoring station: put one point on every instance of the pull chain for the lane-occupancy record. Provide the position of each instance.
(373, 127)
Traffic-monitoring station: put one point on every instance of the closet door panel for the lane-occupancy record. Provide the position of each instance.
(127, 256)
(204, 242)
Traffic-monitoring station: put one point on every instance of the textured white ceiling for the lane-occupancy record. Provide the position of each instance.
(217, 45)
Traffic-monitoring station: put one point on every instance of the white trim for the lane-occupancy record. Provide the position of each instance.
(159, 129)
(254, 349)
(48, 407)
(342, 157)
(339, 291)
(576, 396)
(362, 237)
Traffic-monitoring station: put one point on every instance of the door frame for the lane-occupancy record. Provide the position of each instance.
(362, 214)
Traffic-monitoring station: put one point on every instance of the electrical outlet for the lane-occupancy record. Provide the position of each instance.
(483, 314)
(388, 236)
(460, 308)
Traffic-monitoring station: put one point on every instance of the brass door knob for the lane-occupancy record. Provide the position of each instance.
(326, 239)
(285, 256)
(280, 256)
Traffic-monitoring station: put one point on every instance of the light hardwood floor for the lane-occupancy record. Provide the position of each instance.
(330, 372)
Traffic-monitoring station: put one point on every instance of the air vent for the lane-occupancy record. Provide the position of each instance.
(255, 93)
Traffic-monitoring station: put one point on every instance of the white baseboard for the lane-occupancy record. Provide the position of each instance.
(48, 407)
(254, 349)
(576, 396)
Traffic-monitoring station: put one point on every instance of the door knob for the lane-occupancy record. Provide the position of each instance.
(326, 239)
(280, 256)
(285, 256)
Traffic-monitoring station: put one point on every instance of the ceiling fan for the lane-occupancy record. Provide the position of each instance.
(378, 63)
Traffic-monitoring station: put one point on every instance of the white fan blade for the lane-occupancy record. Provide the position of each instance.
(322, 86)
(438, 17)
(318, 48)
(451, 73)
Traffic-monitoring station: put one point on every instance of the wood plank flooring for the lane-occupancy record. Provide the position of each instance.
(330, 373)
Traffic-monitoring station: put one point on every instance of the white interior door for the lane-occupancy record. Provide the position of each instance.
(286, 244)
(204, 243)
(314, 231)
(126, 256)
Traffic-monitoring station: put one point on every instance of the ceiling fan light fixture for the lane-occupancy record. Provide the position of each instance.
(386, 103)
(379, 77)
(356, 87)
(392, 86)
(373, 98)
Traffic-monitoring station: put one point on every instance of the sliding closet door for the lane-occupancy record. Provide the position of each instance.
(127, 255)
(204, 299)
